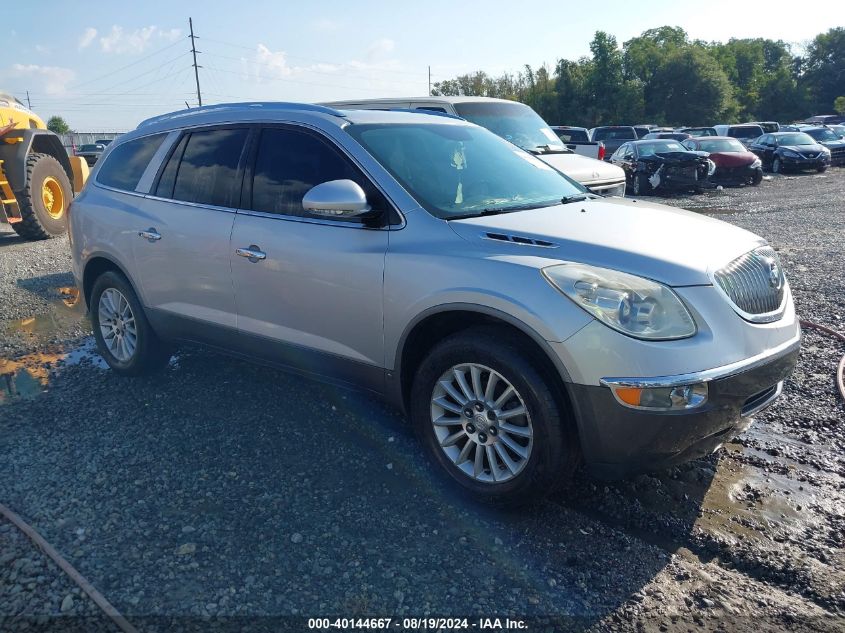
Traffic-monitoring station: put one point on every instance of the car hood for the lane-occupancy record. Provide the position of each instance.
(803, 149)
(834, 144)
(670, 245)
(584, 169)
(733, 159)
(673, 157)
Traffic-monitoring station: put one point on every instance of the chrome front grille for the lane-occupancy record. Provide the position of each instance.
(755, 284)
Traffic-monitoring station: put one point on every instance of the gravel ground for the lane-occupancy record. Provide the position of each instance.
(221, 489)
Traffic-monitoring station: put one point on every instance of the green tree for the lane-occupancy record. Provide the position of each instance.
(58, 125)
(695, 89)
(839, 105)
(824, 69)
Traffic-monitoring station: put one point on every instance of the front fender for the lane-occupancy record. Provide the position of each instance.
(29, 141)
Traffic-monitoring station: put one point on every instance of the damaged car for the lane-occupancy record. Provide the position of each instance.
(734, 163)
(664, 165)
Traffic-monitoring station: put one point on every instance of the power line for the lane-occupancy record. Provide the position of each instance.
(196, 68)
(137, 61)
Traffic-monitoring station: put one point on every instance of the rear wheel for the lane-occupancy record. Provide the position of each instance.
(124, 336)
(490, 419)
(44, 202)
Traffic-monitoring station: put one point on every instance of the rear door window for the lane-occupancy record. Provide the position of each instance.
(127, 162)
(208, 170)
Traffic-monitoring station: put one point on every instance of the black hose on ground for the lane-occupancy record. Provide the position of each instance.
(98, 598)
(840, 371)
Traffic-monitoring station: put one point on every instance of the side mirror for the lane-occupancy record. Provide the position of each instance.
(336, 199)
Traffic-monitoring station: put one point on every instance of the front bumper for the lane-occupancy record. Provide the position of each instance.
(617, 440)
(741, 174)
(805, 163)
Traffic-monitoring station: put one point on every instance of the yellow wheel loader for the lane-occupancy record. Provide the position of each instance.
(37, 177)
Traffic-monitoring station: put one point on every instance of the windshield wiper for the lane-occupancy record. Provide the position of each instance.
(548, 149)
(578, 197)
(501, 210)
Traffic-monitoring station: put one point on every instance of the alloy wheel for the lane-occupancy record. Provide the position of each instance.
(481, 423)
(117, 325)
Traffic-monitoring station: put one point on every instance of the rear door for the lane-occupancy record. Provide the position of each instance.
(312, 299)
(182, 243)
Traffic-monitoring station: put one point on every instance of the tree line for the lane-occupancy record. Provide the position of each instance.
(664, 77)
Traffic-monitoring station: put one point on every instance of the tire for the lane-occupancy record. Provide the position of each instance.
(552, 452)
(641, 185)
(149, 354)
(44, 202)
(821, 169)
(757, 177)
(777, 166)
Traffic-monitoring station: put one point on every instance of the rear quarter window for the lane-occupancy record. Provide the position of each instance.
(126, 163)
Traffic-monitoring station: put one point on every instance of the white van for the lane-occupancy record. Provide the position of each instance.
(515, 122)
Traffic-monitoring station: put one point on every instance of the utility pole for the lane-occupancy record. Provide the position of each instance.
(28, 102)
(429, 81)
(196, 68)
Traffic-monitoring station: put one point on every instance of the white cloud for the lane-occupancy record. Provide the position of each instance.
(380, 48)
(87, 37)
(119, 40)
(54, 79)
(41, 49)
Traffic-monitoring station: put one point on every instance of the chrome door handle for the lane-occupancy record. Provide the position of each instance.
(253, 253)
(151, 235)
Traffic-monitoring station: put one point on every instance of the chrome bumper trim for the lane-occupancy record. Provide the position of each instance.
(707, 375)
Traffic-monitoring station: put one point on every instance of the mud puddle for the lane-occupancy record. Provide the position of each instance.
(67, 310)
(29, 375)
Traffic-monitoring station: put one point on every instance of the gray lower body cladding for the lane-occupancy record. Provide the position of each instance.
(618, 441)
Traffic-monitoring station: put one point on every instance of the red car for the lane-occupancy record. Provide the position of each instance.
(734, 163)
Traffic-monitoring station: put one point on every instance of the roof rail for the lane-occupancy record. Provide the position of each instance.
(274, 106)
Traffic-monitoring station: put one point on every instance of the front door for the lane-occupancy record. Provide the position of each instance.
(308, 290)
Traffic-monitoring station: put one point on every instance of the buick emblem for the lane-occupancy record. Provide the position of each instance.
(774, 272)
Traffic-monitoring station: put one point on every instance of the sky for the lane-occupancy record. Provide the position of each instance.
(105, 66)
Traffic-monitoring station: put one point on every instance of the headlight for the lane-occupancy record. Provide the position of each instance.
(711, 167)
(790, 153)
(632, 305)
(757, 163)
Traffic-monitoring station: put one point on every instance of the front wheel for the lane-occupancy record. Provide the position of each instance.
(821, 169)
(490, 419)
(777, 166)
(757, 177)
(124, 336)
(640, 186)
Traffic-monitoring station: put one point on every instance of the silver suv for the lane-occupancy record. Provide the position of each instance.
(524, 324)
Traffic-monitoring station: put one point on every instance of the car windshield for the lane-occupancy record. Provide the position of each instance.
(746, 131)
(614, 133)
(823, 134)
(90, 148)
(659, 147)
(721, 145)
(839, 130)
(799, 138)
(462, 170)
(514, 122)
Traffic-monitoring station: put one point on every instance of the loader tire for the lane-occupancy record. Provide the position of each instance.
(44, 202)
